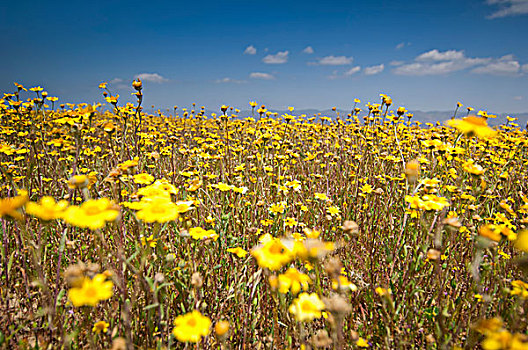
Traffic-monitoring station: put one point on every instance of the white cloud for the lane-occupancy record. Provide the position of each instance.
(308, 49)
(229, 80)
(115, 81)
(374, 69)
(402, 45)
(446, 67)
(352, 71)
(508, 8)
(260, 75)
(505, 65)
(250, 50)
(517, 98)
(346, 74)
(334, 61)
(152, 77)
(396, 63)
(279, 58)
(436, 62)
(335, 75)
(435, 55)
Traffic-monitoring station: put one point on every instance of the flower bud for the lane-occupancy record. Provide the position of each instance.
(221, 329)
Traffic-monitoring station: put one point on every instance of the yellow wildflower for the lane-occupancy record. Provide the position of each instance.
(519, 288)
(473, 126)
(366, 188)
(223, 187)
(191, 327)
(307, 307)
(503, 339)
(343, 284)
(128, 165)
(521, 242)
(195, 185)
(100, 326)
(432, 202)
(143, 179)
(290, 222)
(473, 168)
(157, 189)
(92, 214)
(79, 181)
(491, 232)
(383, 291)
(333, 210)
(277, 208)
(321, 196)
(241, 253)
(47, 209)
(184, 206)
(362, 343)
(150, 240)
(293, 280)
(199, 233)
(272, 254)
(11, 206)
(311, 233)
(157, 209)
(310, 248)
(92, 291)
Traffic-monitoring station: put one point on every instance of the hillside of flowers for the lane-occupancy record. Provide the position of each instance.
(122, 229)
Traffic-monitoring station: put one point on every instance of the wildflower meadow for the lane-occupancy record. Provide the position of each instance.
(125, 229)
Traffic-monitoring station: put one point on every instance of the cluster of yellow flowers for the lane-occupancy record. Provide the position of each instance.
(156, 205)
(91, 214)
(498, 338)
(427, 202)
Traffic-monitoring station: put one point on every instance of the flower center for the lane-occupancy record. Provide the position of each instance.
(191, 322)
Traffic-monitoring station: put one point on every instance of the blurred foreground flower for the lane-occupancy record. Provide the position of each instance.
(272, 254)
(473, 126)
(92, 214)
(522, 241)
(519, 288)
(11, 206)
(309, 249)
(412, 171)
(221, 329)
(293, 280)
(78, 181)
(503, 339)
(157, 209)
(47, 209)
(191, 327)
(473, 168)
(307, 307)
(91, 291)
(143, 179)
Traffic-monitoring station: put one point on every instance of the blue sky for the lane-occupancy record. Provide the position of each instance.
(427, 55)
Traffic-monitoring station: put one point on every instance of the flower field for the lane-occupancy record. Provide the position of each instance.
(122, 229)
